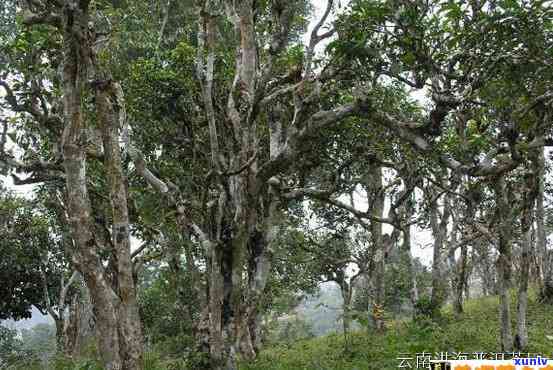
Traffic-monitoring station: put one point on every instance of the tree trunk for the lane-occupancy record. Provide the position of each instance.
(347, 291)
(118, 326)
(544, 258)
(438, 222)
(462, 281)
(521, 338)
(504, 261)
(406, 213)
(78, 208)
(414, 290)
(261, 250)
(486, 268)
(375, 196)
(531, 191)
(229, 248)
(79, 324)
(216, 297)
(468, 273)
(111, 117)
(458, 271)
(60, 336)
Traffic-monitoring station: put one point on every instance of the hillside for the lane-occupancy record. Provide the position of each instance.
(476, 331)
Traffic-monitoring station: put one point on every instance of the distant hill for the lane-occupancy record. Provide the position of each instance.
(322, 312)
(37, 318)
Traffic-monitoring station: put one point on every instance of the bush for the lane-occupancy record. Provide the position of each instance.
(425, 309)
(13, 352)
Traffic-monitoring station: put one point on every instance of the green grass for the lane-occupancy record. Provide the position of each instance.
(476, 331)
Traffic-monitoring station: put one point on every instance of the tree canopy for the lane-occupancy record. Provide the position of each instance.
(197, 167)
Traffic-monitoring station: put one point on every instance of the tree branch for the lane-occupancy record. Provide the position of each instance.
(295, 138)
(325, 197)
(47, 301)
(316, 38)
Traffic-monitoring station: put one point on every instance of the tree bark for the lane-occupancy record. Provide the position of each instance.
(438, 223)
(119, 339)
(468, 273)
(407, 211)
(504, 261)
(486, 269)
(521, 338)
(346, 290)
(111, 118)
(79, 325)
(461, 281)
(414, 289)
(376, 195)
(530, 193)
(76, 63)
(545, 273)
(458, 268)
(59, 315)
(260, 260)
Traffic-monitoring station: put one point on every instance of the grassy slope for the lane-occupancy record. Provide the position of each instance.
(477, 331)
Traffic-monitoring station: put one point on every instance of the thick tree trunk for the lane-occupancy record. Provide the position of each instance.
(347, 292)
(235, 218)
(234, 303)
(377, 311)
(116, 316)
(103, 298)
(262, 233)
(78, 208)
(544, 257)
(216, 298)
(261, 249)
(531, 191)
(237, 235)
(376, 195)
(458, 276)
(486, 268)
(414, 289)
(521, 338)
(229, 248)
(79, 325)
(467, 274)
(111, 118)
(406, 213)
(463, 284)
(504, 261)
(438, 223)
(455, 268)
(60, 336)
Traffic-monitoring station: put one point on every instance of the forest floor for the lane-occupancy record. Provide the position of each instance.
(476, 331)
